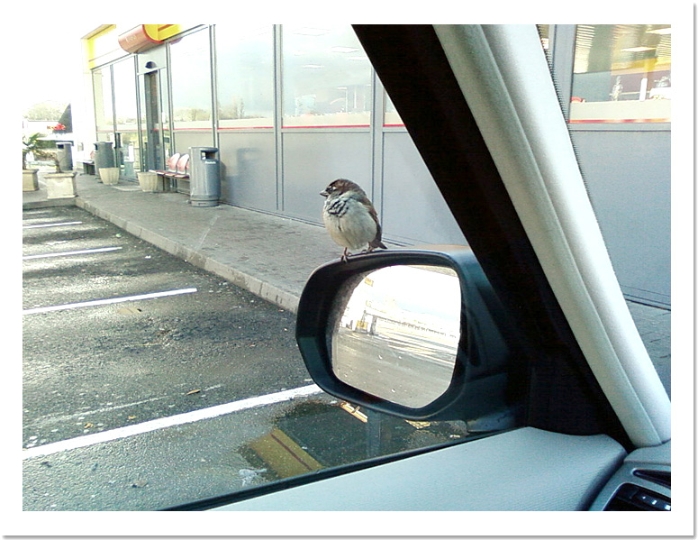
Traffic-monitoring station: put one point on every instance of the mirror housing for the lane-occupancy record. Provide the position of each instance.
(488, 378)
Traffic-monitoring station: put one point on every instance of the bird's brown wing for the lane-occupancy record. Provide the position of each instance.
(376, 242)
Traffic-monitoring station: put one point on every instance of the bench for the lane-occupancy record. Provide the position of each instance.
(88, 167)
(177, 168)
(170, 166)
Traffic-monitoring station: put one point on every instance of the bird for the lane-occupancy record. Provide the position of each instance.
(350, 218)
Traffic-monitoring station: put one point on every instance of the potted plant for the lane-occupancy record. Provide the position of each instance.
(30, 178)
(109, 175)
(59, 184)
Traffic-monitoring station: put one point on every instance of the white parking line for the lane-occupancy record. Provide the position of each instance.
(70, 253)
(170, 421)
(44, 225)
(107, 301)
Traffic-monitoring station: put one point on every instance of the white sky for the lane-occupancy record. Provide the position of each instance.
(51, 60)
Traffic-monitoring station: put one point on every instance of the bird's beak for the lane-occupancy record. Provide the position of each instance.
(324, 193)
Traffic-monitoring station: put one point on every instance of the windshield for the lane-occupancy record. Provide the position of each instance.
(160, 366)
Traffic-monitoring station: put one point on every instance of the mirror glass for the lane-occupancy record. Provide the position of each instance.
(397, 332)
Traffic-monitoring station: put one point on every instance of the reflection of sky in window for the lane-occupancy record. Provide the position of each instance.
(103, 98)
(125, 91)
(245, 67)
(191, 74)
(319, 59)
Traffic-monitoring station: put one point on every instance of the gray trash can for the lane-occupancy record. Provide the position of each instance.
(104, 155)
(65, 155)
(204, 176)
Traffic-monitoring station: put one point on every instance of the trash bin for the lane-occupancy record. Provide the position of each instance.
(65, 155)
(204, 176)
(104, 155)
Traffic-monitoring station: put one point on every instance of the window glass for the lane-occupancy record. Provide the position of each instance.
(104, 110)
(228, 351)
(544, 34)
(125, 100)
(622, 73)
(191, 81)
(391, 118)
(154, 120)
(326, 77)
(245, 57)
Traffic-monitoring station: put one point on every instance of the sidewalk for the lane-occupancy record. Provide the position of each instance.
(270, 256)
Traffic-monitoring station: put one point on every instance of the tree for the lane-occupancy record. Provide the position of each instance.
(46, 111)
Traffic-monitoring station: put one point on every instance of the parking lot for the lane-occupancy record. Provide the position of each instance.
(148, 382)
(117, 331)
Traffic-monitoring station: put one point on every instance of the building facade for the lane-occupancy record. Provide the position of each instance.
(292, 107)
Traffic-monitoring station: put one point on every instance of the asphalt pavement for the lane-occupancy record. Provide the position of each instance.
(217, 446)
(117, 332)
(268, 255)
(137, 401)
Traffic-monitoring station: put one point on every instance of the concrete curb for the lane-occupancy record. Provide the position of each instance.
(266, 291)
(48, 203)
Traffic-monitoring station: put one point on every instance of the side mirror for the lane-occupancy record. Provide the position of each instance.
(414, 333)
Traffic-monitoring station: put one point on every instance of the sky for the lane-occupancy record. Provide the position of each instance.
(52, 64)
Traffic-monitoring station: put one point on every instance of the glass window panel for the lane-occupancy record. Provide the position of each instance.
(125, 95)
(326, 77)
(104, 111)
(391, 118)
(622, 73)
(544, 34)
(125, 100)
(245, 57)
(191, 81)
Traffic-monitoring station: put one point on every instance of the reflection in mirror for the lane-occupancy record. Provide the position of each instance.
(397, 332)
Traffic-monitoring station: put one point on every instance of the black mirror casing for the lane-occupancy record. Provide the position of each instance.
(482, 384)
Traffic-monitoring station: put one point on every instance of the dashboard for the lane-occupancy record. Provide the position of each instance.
(643, 482)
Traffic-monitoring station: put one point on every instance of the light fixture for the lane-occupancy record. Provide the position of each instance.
(309, 31)
(340, 49)
(639, 49)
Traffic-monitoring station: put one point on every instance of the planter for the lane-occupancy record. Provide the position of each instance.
(30, 179)
(109, 175)
(148, 182)
(60, 185)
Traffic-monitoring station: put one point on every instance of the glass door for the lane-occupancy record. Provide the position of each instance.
(155, 124)
(126, 144)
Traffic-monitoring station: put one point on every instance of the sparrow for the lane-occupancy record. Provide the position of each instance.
(350, 218)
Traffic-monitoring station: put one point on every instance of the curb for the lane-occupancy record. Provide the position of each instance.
(266, 291)
(48, 203)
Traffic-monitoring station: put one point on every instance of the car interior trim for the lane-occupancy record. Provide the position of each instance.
(413, 67)
(516, 470)
(511, 100)
(643, 474)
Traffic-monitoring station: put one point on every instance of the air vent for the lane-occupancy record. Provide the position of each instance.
(631, 497)
(663, 478)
